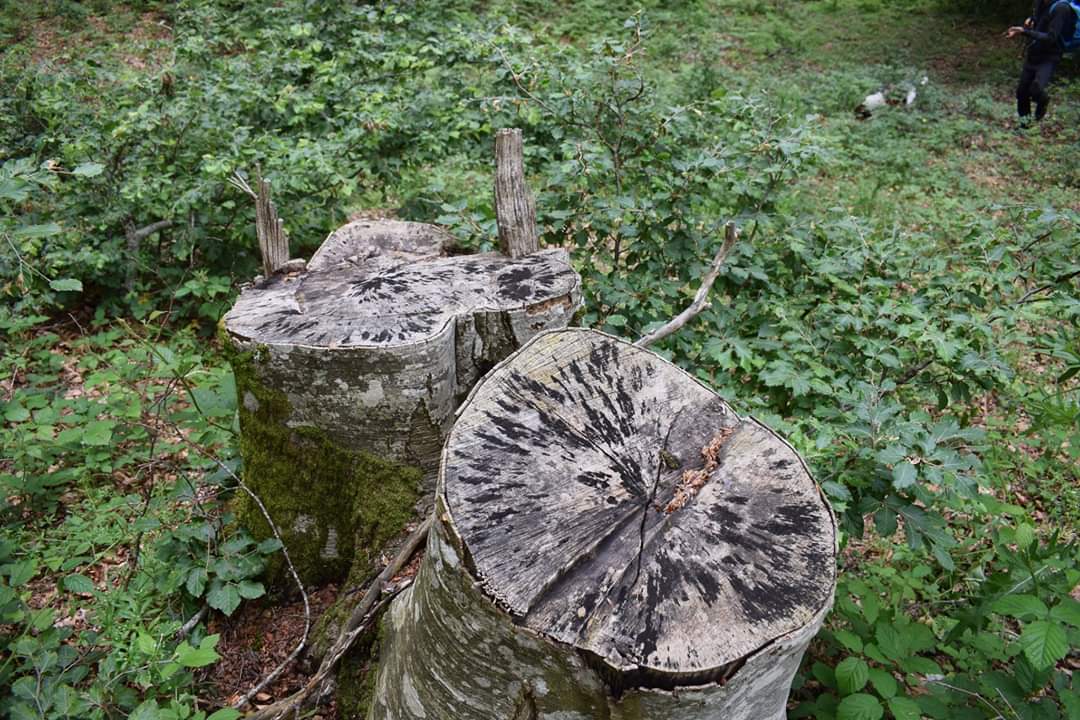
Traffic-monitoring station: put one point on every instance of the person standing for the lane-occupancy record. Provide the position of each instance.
(1051, 21)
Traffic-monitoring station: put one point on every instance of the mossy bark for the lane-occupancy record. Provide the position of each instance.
(335, 507)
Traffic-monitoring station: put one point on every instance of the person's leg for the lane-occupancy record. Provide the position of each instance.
(1023, 91)
(1043, 73)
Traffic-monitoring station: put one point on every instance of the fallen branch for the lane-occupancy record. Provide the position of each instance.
(701, 300)
(145, 232)
(359, 621)
(187, 627)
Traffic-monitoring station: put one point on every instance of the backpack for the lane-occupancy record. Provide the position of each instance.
(1070, 42)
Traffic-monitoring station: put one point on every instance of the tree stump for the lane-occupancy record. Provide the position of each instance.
(611, 540)
(348, 375)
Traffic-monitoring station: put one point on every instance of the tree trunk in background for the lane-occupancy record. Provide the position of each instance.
(611, 540)
(348, 375)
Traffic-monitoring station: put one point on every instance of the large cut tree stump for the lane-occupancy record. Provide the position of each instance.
(611, 540)
(348, 375)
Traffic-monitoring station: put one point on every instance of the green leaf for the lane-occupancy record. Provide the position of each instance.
(859, 707)
(196, 581)
(250, 590)
(15, 412)
(904, 475)
(90, 169)
(191, 657)
(20, 573)
(1020, 606)
(146, 644)
(1025, 536)
(1044, 643)
(851, 675)
(904, 708)
(37, 231)
(883, 682)
(98, 432)
(616, 321)
(223, 596)
(269, 545)
(148, 710)
(1068, 612)
(890, 642)
(225, 714)
(849, 640)
(66, 285)
(79, 584)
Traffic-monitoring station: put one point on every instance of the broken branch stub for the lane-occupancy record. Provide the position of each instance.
(348, 375)
(610, 540)
(515, 211)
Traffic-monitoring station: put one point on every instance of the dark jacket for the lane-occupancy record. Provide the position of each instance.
(1050, 27)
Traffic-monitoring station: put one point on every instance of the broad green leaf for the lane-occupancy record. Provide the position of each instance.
(191, 657)
(66, 285)
(196, 581)
(20, 573)
(904, 708)
(78, 584)
(1044, 643)
(15, 412)
(851, 675)
(904, 475)
(98, 432)
(1068, 612)
(148, 710)
(90, 169)
(883, 682)
(146, 644)
(616, 321)
(890, 641)
(250, 590)
(27, 232)
(849, 640)
(269, 545)
(223, 596)
(1020, 606)
(225, 714)
(859, 707)
(1025, 536)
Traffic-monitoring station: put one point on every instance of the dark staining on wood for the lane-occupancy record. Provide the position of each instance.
(609, 501)
(396, 292)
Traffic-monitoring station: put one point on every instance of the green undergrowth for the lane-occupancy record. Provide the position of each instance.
(903, 304)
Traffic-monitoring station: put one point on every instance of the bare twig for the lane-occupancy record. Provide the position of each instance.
(701, 300)
(142, 233)
(191, 623)
(360, 620)
(276, 672)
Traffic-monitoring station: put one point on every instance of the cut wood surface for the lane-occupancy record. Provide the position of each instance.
(370, 350)
(608, 526)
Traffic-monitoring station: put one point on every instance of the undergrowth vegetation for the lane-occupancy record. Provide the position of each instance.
(903, 305)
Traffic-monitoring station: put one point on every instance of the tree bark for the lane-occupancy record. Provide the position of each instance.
(611, 540)
(348, 376)
(515, 211)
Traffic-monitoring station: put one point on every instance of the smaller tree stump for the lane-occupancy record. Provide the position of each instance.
(611, 540)
(348, 375)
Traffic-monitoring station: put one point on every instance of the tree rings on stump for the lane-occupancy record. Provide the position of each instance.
(611, 540)
(348, 375)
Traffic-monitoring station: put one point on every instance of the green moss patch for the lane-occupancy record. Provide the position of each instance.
(335, 508)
